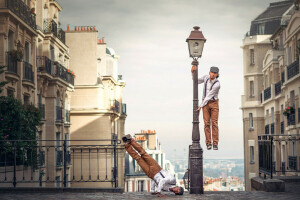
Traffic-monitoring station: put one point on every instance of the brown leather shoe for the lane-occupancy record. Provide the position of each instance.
(215, 147)
(127, 138)
(208, 146)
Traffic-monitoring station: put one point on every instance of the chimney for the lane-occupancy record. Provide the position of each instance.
(103, 41)
(94, 28)
(68, 28)
(75, 28)
(79, 28)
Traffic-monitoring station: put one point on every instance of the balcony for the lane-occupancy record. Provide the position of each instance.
(44, 64)
(277, 88)
(67, 116)
(42, 109)
(293, 163)
(267, 93)
(282, 127)
(50, 26)
(59, 113)
(27, 72)
(12, 64)
(59, 158)
(293, 69)
(267, 127)
(62, 72)
(19, 8)
(116, 106)
(272, 129)
(291, 118)
(124, 110)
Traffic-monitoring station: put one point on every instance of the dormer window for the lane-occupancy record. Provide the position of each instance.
(261, 29)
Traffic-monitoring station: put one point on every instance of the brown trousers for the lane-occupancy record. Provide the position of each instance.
(146, 162)
(210, 117)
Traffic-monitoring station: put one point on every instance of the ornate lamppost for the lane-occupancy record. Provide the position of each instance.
(195, 42)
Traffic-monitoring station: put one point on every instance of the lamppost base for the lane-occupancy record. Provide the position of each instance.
(196, 169)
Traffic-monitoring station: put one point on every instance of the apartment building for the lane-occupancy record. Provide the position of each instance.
(271, 84)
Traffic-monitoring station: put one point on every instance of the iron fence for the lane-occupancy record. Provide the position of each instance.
(27, 71)
(44, 64)
(267, 93)
(282, 77)
(62, 72)
(293, 69)
(291, 118)
(272, 128)
(277, 88)
(124, 109)
(43, 163)
(267, 163)
(116, 106)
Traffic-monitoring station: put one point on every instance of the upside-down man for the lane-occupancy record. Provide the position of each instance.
(161, 179)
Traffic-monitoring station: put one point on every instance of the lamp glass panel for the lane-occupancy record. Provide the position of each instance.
(196, 48)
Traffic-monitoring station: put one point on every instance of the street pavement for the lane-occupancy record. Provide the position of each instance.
(134, 196)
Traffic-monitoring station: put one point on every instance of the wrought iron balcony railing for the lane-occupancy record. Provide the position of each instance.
(282, 127)
(50, 26)
(42, 109)
(19, 8)
(267, 93)
(27, 71)
(291, 118)
(293, 69)
(62, 72)
(277, 88)
(293, 163)
(44, 64)
(59, 113)
(267, 129)
(272, 128)
(124, 109)
(267, 152)
(12, 64)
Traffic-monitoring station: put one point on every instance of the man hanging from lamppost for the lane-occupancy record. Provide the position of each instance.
(161, 179)
(210, 106)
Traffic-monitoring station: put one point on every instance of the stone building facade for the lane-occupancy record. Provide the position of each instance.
(269, 51)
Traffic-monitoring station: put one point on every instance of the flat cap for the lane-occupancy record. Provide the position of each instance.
(214, 69)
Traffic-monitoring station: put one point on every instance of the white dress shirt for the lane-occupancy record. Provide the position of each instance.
(163, 181)
(210, 94)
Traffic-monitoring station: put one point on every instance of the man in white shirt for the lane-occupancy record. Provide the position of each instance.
(210, 105)
(161, 179)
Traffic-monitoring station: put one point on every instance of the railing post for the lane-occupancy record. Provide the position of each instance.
(115, 163)
(271, 162)
(15, 164)
(65, 163)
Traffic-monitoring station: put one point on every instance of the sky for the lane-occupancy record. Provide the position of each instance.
(150, 38)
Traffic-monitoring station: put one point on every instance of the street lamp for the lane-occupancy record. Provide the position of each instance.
(195, 42)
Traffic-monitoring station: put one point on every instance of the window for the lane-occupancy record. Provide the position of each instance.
(272, 114)
(26, 99)
(266, 81)
(10, 40)
(57, 139)
(251, 154)
(156, 157)
(283, 153)
(251, 56)
(261, 29)
(10, 92)
(281, 114)
(251, 88)
(294, 151)
(292, 100)
(267, 117)
(27, 52)
(251, 121)
(289, 55)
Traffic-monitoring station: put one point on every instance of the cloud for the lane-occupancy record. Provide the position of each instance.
(150, 38)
